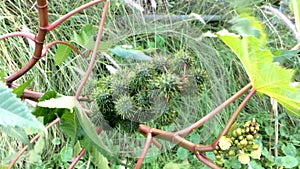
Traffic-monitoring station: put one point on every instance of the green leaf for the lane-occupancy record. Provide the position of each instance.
(56, 141)
(14, 112)
(99, 160)
(286, 161)
(64, 102)
(71, 127)
(255, 165)
(130, 53)
(61, 53)
(66, 153)
(182, 153)
(49, 114)
(289, 149)
(34, 156)
(172, 165)
(266, 77)
(92, 139)
(20, 90)
(17, 133)
(282, 55)
(86, 38)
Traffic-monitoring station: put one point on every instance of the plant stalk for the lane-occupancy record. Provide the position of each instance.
(196, 125)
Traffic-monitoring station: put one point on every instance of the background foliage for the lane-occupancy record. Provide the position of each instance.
(126, 26)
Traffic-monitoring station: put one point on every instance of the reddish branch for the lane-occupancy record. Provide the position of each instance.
(93, 59)
(46, 48)
(198, 150)
(174, 137)
(11, 164)
(23, 34)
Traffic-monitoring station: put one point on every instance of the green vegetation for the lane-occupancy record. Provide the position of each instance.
(159, 67)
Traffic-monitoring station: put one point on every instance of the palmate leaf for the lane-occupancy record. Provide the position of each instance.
(266, 76)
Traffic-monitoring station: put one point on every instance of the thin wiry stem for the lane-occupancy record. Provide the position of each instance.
(23, 34)
(73, 12)
(77, 158)
(144, 152)
(285, 20)
(46, 48)
(97, 43)
(206, 161)
(11, 164)
(234, 116)
(194, 126)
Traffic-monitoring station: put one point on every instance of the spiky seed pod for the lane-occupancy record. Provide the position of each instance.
(140, 81)
(200, 76)
(184, 58)
(124, 107)
(142, 100)
(107, 108)
(160, 65)
(128, 126)
(168, 84)
(167, 117)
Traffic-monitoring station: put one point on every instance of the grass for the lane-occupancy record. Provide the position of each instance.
(126, 26)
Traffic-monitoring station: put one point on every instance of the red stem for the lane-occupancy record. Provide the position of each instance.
(11, 164)
(233, 117)
(144, 152)
(42, 6)
(46, 48)
(68, 15)
(189, 129)
(77, 158)
(93, 59)
(24, 34)
(226, 128)
(206, 161)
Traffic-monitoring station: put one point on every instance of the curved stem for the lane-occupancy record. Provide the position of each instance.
(233, 117)
(144, 152)
(91, 65)
(285, 20)
(189, 129)
(46, 48)
(42, 6)
(23, 34)
(11, 164)
(207, 162)
(77, 158)
(68, 15)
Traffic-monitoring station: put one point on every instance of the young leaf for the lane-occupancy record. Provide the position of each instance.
(130, 53)
(14, 112)
(49, 114)
(61, 53)
(266, 77)
(287, 161)
(99, 160)
(64, 102)
(20, 90)
(86, 39)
